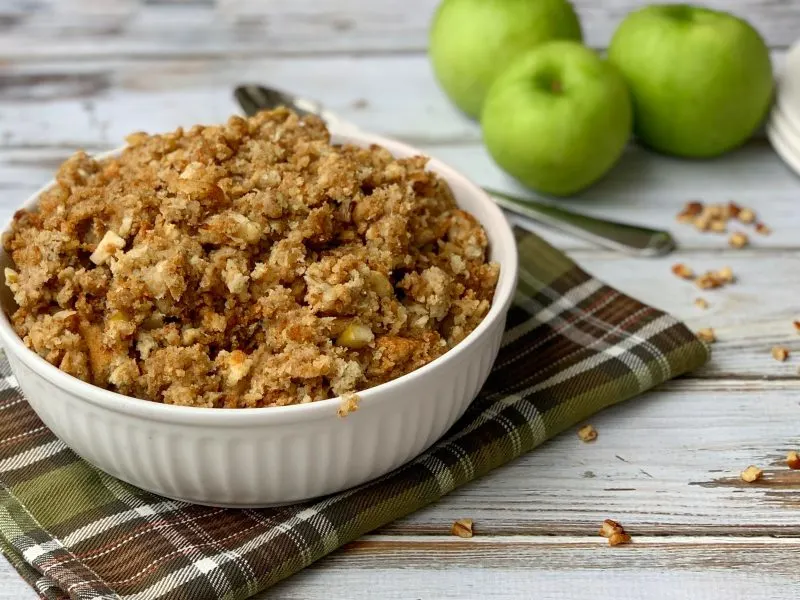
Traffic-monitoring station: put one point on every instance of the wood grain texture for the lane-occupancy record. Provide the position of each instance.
(95, 103)
(663, 464)
(557, 568)
(749, 316)
(563, 568)
(81, 29)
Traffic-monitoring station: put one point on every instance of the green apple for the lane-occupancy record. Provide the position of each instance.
(558, 118)
(700, 80)
(472, 41)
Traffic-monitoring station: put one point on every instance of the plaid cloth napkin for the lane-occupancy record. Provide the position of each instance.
(573, 346)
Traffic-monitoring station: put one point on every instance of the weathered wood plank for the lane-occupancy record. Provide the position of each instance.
(563, 568)
(749, 316)
(567, 568)
(75, 28)
(96, 103)
(663, 464)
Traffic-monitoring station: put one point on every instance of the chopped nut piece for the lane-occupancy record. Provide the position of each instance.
(125, 226)
(618, 539)
(715, 217)
(609, 528)
(780, 353)
(12, 277)
(718, 226)
(355, 336)
(702, 223)
(725, 274)
(682, 271)
(117, 317)
(462, 528)
(236, 365)
(614, 532)
(738, 240)
(689, 211)
(707, 335)
(796, 326)
(110, 243)
(693, 207)
(763, 229)
(137, 137)
(381, 284)
(751, 474)
(701, 303)
(793, 460)
(587, 433)
(709, 281)
(349, 404)
(746, 215)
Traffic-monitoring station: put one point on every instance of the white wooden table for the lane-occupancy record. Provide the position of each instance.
(83, 73)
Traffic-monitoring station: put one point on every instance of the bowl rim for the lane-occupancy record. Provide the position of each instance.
(505, 253)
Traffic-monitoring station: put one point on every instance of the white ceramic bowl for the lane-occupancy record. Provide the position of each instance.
(266, 456)
(784, 140)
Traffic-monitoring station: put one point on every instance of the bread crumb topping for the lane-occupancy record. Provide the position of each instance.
(244, 265)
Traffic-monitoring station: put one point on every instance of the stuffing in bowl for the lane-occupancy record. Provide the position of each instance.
(258, 265)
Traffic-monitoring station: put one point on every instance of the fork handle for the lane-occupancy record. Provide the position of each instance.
(631, 239)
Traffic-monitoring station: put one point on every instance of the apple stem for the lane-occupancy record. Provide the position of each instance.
(556, 86)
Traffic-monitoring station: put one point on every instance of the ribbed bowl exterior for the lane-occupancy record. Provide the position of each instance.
(268, 456)
(266, 464)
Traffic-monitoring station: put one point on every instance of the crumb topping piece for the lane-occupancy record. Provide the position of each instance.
(619, 539)
(780, 353)
(746, 215)
(682, 271)
(725, 274)
(587, 433)
(462, 528)
(762, 229)
(349, 404)
(751, 474)
(707, 335)
(711, 280)
(793, 460)
(244, 265)
(715, 218)
(609, 527)
(738, 240)
(615, 533)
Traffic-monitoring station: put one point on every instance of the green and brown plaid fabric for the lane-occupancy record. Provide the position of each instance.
(572, 347)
